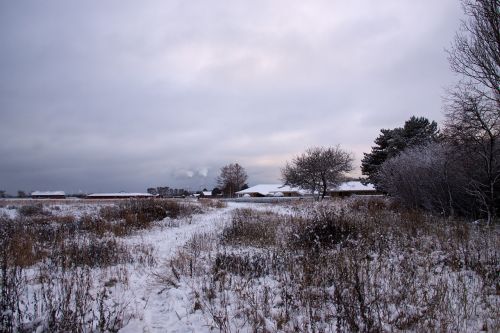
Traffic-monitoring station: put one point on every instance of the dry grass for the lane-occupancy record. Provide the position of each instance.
(350, 266)
(212, 203)
(48, 261)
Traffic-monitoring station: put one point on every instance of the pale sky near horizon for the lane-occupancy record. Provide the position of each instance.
(124, 95)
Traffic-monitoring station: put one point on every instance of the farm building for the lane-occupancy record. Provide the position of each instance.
(119, 195)
(48, 195)
(353, 188)
(271, 190)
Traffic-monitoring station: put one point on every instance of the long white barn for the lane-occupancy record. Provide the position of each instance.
(280, 190)
(271, 190)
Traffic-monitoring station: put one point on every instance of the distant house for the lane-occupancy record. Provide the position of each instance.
(353, 188)
(206, 194)
(271, 190)
(48, 195)
(119, 195)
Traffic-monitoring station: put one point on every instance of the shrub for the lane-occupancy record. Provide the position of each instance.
(247, 265)
(31, 210)
(249, 227)
(139, 214)
(323, 230)
(212, 203)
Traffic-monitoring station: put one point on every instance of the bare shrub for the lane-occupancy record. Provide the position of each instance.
(250, 227)
(31, 210)
(212, 203)
(323, 231)
(139, 214)
(92, 252)
(248, 265)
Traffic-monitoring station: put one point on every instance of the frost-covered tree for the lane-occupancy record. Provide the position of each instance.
(427, 177)
(318, 169)
(231, 179)
(416, 131)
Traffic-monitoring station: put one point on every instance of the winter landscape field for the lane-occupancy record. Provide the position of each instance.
(158, 265)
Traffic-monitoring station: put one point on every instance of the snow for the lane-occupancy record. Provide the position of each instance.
(152, 305)
(270, 189)
(11, 212)
(48, 193)
(119, 194)
(276, 189)
(354, 186)
(164, 309)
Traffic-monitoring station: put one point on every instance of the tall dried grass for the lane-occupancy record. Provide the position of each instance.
(351, 266)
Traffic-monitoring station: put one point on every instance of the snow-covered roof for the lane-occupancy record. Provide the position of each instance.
(270, 189)
(353, 186)
(48, 193)
(207, 193)
(120, 194)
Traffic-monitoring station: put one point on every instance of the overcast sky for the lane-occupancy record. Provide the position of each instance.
(123, 95)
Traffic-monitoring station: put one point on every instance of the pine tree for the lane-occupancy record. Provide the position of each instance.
(416, 131)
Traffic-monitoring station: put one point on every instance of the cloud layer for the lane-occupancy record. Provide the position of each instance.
(122, 95)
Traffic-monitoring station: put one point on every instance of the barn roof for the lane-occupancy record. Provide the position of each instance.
(120, 194)
(48, 193)
(352, 186)
(267, 189)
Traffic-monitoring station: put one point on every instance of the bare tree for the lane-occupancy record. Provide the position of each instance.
(475, 53)
(473, 129)
(232, 178)
(318, 169)
(473, 108)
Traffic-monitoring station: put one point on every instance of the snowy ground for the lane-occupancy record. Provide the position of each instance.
(147, 299)
(149, 304)
(159, 307)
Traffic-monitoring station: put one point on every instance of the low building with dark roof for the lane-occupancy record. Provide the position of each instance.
(48, 195)
(119, 195)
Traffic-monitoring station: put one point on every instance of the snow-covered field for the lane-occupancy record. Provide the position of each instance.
(312, 267)
(136, 292)
(161, 308)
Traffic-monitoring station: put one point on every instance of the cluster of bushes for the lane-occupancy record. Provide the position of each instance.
(332, 268)
(133, 215)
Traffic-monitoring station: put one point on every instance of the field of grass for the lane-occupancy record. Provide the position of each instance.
(159, 265)
(61, 260)
(345, 266)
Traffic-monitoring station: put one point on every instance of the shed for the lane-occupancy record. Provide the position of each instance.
(48, 195)
(119, 195)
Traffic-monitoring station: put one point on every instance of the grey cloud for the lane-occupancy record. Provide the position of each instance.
(119, 95)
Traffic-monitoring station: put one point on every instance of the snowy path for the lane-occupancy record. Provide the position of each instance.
(169, 310)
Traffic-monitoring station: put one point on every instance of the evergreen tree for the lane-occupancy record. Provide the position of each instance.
(416, 131)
